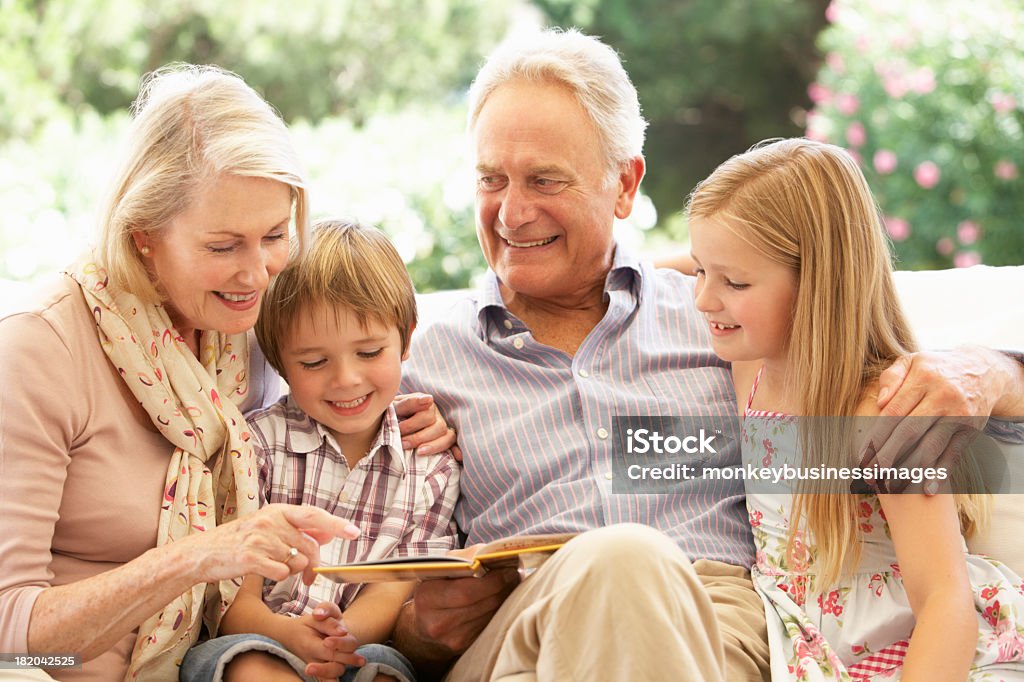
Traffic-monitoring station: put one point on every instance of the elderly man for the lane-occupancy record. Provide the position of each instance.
(566, 333)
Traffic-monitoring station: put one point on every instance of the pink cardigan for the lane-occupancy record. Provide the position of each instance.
(81, 471)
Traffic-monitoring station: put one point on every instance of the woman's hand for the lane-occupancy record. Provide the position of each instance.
(262, 544)
(422, 426)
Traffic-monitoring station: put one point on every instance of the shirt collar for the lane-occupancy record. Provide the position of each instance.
(626, 273)
(305, 435)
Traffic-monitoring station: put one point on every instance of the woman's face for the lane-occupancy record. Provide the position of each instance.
(212, 263)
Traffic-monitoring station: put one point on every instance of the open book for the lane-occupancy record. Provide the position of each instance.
(523, 552)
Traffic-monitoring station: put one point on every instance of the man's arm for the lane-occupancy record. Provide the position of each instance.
(950, 394)
(968, 381)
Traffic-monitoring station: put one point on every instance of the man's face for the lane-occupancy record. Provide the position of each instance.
(545, 204)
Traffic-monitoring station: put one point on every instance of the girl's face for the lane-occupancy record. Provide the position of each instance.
(746, 298)
(213, 261)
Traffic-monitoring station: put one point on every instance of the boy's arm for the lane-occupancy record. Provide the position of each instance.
(372, 615)
(248, 613)
(926, 533)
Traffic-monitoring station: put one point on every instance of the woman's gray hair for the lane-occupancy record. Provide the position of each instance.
(190, 124)
(591, 70)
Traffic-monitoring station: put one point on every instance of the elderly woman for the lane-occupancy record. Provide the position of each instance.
(127, 482)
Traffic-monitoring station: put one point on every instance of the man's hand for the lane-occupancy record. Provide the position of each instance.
(422, 426)
(445, 617)
(948, 396)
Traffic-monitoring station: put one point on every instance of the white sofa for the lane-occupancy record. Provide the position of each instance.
(947, 308)
(980, 305)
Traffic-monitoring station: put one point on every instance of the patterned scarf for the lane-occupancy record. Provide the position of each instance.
(210, 478)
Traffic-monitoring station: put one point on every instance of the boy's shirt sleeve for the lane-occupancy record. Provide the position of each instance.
(433, 530)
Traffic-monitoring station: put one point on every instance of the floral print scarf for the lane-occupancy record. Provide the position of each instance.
(193, 402)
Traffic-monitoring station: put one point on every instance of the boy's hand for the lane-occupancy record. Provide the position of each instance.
(323, 642)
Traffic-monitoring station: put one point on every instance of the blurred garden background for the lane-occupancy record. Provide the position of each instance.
(927, 94)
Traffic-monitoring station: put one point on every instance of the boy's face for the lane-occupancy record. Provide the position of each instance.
(343, 374)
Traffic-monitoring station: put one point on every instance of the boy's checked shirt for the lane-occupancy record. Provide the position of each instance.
(402, 502)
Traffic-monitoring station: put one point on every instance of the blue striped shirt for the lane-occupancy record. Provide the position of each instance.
(534, 424)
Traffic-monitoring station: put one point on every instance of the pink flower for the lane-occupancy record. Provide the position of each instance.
(1011, 646)
(1006, 170)
(847, 104)
(898, 228)
(922, 80)
(894, 86)
(835, 62)
(755, 518)
(885, 161)
(968, 232)
(855, 134)
(966, 259)
(901, 42)
(1003, 103)
(818, 93)
(927, 174)
(855, 155)
(989, 592)
(945, 246)
(832, 13)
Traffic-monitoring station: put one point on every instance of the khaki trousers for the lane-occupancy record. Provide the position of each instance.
(624, 603)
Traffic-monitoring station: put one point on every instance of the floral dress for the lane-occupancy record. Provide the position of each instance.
(858, 629)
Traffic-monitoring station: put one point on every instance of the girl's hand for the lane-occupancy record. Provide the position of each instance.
(422, 426)
(262, 544)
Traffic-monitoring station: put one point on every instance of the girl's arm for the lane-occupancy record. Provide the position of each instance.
(926, 533)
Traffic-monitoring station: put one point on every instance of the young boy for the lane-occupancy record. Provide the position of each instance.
(336, 325)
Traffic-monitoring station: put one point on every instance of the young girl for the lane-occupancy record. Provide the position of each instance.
(794, 278)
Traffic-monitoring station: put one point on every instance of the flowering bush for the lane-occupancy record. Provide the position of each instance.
(928, 96)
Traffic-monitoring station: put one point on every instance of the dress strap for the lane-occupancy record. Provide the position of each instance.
(753, 389)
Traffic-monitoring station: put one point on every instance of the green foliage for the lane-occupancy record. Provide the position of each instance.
(930, 99)
(714, 76)
(70, 69)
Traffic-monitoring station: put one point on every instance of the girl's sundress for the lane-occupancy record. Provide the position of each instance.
(860, 628)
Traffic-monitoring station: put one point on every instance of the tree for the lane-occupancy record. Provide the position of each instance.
(929, 98)
(714, 76)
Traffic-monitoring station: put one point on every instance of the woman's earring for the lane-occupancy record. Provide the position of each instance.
(144, 250)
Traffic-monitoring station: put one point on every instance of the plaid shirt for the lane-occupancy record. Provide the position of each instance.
(402, 502)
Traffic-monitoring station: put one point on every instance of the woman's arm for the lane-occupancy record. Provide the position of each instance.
(90, 615)
(926, 533)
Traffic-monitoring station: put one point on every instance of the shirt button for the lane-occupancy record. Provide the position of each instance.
(608, 475)
(584, 373)
(602, 433)
(508, 324)
(518, 343)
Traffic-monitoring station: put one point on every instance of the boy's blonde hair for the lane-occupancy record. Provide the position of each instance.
(346, 265)
(807, 206)
(191, 124)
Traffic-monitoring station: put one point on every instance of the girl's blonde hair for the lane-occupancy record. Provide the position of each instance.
(190, 124)
(807, 206)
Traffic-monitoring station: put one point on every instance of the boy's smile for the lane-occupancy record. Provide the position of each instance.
(343, 373)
